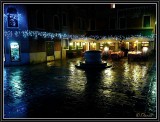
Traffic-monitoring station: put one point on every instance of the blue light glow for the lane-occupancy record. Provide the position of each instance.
(35, 34)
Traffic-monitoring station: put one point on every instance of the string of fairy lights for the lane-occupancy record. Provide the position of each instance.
(49, 35)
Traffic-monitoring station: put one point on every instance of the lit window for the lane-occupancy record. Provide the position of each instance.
(74, 45)
(145, 44)
(14, 51)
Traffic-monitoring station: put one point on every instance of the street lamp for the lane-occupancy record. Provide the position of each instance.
(106, 49)
(145, 49)
(113, 5)
(105, 53)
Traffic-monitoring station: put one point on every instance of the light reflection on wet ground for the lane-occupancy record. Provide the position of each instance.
(59, 90)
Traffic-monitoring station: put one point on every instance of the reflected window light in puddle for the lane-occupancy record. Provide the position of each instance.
(144, 71)
(5, 79)
(127, 73)
(16, 83)
(76, 80)
(18, 107)
(152, 95)
(136, 73)
(108, 81)
(138, 76)
(76, 86)
(72, 68)
(107, 93)
(108, 72)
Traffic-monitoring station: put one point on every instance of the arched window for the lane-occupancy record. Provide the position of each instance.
(12, 17)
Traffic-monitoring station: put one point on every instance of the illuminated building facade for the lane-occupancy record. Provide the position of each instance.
(35, 33)
(16, 48)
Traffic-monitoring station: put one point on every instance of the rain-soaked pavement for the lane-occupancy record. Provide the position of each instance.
(59, 90)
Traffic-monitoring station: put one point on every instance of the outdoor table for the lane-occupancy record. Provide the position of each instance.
(134, 55)
(117, 55)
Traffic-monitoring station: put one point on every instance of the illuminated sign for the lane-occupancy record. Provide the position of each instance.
(14, 51)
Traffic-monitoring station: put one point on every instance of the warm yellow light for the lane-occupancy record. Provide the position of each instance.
(77, 44)
(109, 42)
(71, 44)
(138, 52)
(84, 43)
(106, 49)
(145, 49)
(145, 42)
(113, 5)
(136, 41)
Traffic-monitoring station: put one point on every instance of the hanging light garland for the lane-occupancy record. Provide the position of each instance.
(36, 34)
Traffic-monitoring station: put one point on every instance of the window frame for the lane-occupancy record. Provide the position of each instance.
(19, 52)
(143, 21)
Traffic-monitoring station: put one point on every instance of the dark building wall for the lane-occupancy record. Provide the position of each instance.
(15, 14)
(134, 17)
(37, 45)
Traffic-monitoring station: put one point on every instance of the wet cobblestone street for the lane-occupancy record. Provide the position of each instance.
(59, 90)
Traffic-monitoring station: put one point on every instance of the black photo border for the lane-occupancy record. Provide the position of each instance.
(76, 1)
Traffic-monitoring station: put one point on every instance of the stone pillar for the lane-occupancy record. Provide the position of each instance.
(63, 54)
(97, 46)
(116, 46)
